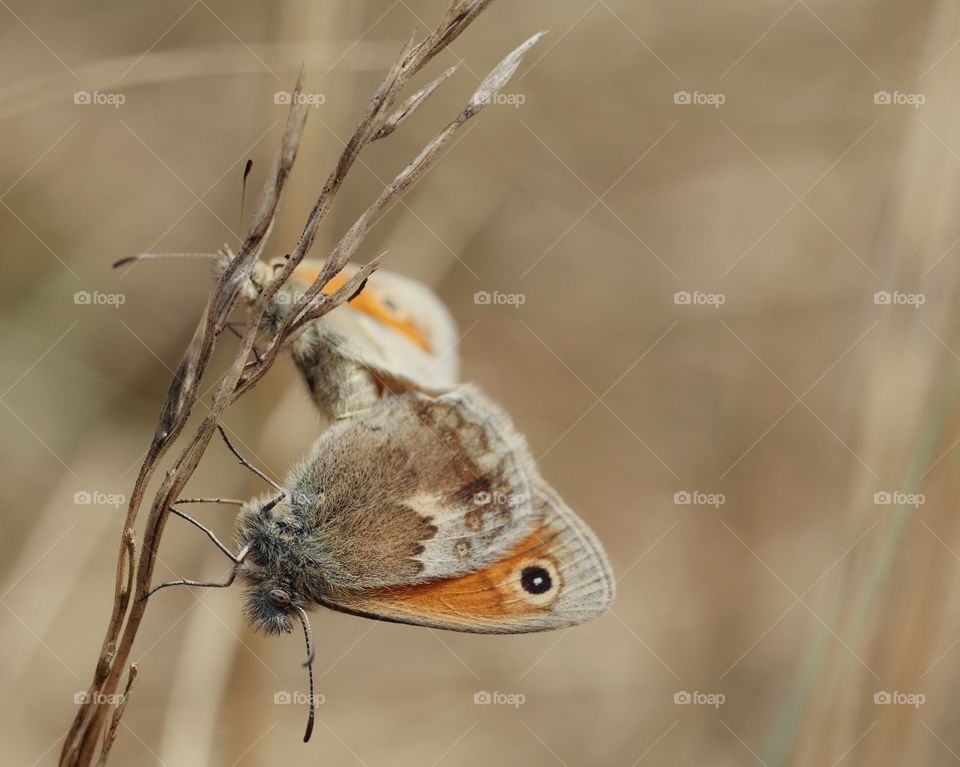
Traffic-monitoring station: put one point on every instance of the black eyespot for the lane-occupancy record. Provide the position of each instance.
(278, 598)
(535, 580)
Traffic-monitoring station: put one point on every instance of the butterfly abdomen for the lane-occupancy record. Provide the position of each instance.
(339, 385)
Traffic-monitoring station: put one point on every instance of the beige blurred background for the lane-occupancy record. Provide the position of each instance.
(781, 197)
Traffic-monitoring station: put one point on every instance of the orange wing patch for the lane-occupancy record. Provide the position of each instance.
(373, 302)
(525, 582)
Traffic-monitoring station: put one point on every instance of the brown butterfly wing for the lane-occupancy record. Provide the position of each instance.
(443, 520)
(555, 576)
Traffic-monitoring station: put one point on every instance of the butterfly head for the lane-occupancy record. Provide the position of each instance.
(273, 609)
(275, 568)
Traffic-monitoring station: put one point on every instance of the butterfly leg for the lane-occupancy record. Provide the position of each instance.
(232, 327)
(227, 501)
(245, 462)
(208, 531)
(268, 506)
(238, 561)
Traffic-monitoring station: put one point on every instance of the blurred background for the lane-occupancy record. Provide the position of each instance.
(720, 246)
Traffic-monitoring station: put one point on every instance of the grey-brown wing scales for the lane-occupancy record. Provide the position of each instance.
(418, 489)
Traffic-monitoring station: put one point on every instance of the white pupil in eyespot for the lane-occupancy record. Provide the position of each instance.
(535, 580)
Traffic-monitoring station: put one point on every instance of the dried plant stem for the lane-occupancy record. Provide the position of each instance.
(134, 574)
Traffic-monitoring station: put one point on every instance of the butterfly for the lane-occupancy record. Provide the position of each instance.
(394, 335)
(421, 502)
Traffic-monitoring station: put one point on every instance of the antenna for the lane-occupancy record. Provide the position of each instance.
(308, 636)
(154, 256)
(243, 189)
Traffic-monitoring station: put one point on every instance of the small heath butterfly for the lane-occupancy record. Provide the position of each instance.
(421, 503)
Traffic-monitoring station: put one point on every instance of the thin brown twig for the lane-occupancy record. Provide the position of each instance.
(111, 734)
(380, 119)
